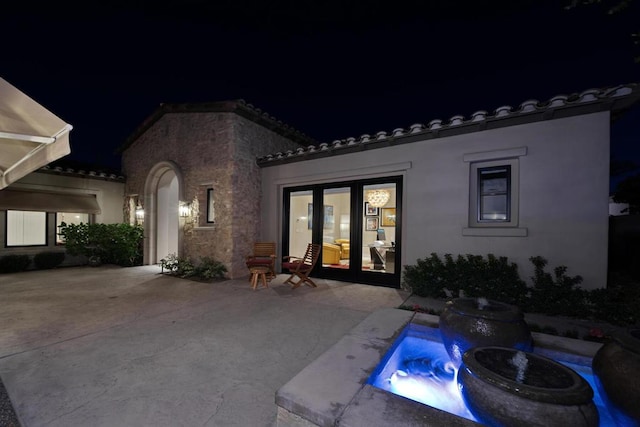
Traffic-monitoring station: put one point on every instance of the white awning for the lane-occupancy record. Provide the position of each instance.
(30, 135)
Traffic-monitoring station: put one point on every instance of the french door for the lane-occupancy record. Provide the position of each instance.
(357, 223)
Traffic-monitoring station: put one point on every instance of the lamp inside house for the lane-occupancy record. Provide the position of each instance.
(378, 198)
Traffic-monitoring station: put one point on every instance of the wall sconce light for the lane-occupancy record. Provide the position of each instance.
(184, 209)
(139, 213)
(378, 198)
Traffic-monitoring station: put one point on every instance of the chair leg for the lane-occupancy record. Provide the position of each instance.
(302, 279)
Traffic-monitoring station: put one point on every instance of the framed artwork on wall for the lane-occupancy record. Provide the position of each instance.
(371, 223)
(328, 216)
(370, 210)
(388, 217)
(329, 219)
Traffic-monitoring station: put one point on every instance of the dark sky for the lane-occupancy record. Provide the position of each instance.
(331, 69)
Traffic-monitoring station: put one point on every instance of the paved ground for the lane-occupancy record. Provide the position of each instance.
(112, 346)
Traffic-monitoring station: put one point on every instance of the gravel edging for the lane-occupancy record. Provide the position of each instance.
(8, 417)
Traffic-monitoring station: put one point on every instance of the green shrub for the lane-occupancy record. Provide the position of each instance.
(46, 260)
(558, 293)
(207, 269)
(14, 263)
(119, 244)
(428, 278)
(210, 269)
(494, 278)
(619, 303)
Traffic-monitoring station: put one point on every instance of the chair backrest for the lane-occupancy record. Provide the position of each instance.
(264, 249)
(376, 257)
(312, 254)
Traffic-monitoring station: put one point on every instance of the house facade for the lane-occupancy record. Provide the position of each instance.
(517, 182)
(191, 168)
(33, 207)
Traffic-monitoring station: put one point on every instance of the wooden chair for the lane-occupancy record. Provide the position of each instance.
(264, 255)
(300, 268)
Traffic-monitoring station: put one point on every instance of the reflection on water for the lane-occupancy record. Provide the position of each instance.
(418, 367)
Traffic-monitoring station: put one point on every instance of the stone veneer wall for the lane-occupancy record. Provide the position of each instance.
(217, 150)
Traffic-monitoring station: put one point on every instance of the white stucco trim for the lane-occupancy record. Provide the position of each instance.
(495, 154)
(495, 232)
(345, 175)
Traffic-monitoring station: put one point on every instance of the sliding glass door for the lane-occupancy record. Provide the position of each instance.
(357, 223)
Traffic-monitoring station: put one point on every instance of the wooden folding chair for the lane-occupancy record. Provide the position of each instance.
(264, 255)
(300, 268)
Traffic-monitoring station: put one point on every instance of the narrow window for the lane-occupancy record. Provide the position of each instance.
(494, 194)
(210, 207)
(26, 228)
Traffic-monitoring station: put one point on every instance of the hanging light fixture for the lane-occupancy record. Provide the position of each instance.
(378, 198)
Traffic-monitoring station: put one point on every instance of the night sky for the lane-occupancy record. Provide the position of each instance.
(331, 69)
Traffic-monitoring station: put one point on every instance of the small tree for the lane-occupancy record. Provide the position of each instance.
(628, 191)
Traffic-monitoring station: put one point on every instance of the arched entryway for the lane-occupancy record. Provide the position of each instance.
(162, 195)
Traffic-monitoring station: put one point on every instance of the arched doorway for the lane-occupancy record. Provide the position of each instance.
(163, 192)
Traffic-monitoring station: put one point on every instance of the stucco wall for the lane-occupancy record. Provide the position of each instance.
(563, 197)
(215, 150)
(109, 194)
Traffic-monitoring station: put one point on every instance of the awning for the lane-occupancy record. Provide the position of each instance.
(30, 135)
(11, 199)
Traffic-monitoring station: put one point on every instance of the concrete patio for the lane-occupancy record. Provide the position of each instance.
(113, 346)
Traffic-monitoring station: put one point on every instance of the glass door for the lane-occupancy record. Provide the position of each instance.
(356, 222)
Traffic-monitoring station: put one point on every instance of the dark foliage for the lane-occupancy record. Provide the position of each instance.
(118, 244)
(552, 293)
(14, 263)
(493, 277)
(46, 260)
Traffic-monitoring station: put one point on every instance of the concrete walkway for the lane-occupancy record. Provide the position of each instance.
(112, 346)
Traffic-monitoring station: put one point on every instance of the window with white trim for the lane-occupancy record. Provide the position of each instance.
(26, 228)
(494, 193)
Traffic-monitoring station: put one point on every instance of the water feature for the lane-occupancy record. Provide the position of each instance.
(418, 367)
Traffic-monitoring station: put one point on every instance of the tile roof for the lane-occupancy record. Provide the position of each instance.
(85, 170)
(616, 99)
(238, 106)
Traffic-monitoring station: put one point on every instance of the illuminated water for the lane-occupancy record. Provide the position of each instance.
(417, 367)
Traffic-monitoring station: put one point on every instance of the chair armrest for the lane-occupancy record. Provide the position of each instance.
(291, 258)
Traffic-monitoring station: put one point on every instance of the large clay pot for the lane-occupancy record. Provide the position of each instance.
(616, 368)
(477, 322)
(545, 393)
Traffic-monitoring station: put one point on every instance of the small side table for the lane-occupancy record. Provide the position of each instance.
(257, 274)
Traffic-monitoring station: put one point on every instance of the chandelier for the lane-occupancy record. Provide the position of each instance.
(378, 198)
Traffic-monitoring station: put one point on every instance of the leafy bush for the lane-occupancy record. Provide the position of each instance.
(428, 278)
(119, 244)
(14, 263)
(493, 278)
(557, 294)
(497, 279)
(619, 303)
(210, 269)
(207, 269)
(46, 260)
